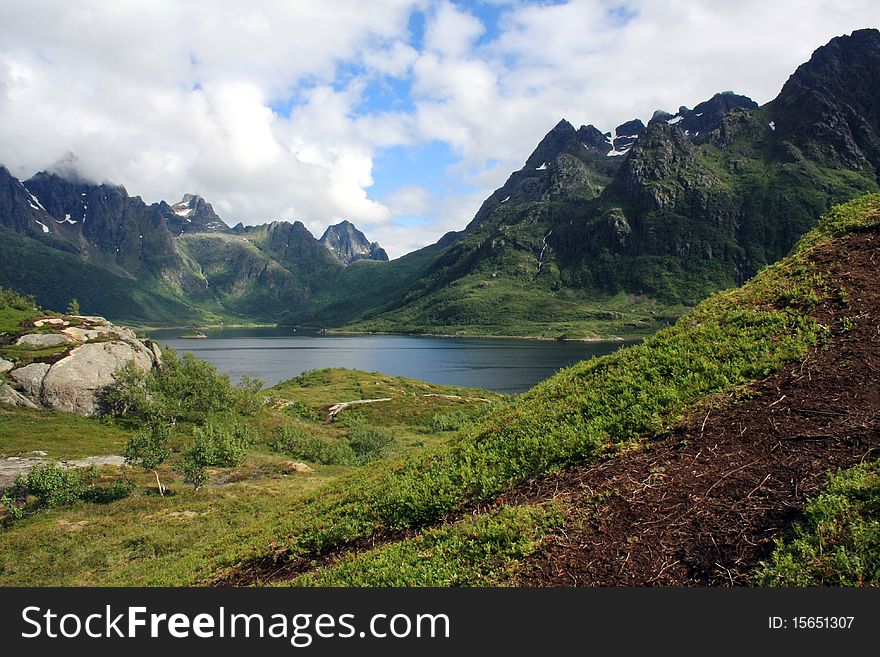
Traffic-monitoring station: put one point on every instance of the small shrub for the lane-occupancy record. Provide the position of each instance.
(225, 441)
(184, 388)
(194, 466)
(249, 395)
(299, 444)
(51, 485)
(148, 448)
(368, 443)
(222, 442)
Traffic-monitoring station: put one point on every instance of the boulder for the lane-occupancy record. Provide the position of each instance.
(95, 332)
(5, 365)
(29, 379)
(55, 321)
(8, 395)
(74, 383)
(43, 340)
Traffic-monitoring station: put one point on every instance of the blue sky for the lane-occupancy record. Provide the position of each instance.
(399, 115)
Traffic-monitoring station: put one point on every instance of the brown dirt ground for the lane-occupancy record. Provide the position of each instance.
(704, 506)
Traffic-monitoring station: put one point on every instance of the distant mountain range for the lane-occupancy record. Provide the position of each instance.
(600, 232)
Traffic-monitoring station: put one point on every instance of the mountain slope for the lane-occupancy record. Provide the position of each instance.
(696, 202)
(190, 265)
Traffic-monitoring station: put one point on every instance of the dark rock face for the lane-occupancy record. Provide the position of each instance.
(108, 226)
(707, 116)
(627, 133)
(830, 107)
(23, 212)
(192, 214)
(349, 244)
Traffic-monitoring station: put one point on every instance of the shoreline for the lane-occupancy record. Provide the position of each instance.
(614, 338)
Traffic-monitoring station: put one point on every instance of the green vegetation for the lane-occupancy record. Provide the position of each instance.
(478, 551)
(148, 448)
(361, 445)
(838, 542)
(62, 435)
(592, 408)
(237, 510)
(183, 389)
(53, 277)
(50, 485)
(15, 309)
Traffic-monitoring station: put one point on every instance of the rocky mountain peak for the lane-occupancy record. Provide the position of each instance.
(705, 116)
(349, 244)
(829, 107)
(193, 213)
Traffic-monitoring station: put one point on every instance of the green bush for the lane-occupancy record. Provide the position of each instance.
(148, 448)
(300, 444)
(367, 443)
(181, 389)
(51, 485)
(361, 445)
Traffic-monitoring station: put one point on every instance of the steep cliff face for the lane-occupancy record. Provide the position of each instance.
(348, 244)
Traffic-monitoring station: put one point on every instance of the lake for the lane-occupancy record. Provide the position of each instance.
(277, 354)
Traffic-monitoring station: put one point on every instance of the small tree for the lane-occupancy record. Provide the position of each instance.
(73, 307)
(148, 448)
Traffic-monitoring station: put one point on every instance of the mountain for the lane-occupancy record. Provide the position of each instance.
(612, 232)
(180, 263)
(601, 232)
(348, 244)
(192, 214)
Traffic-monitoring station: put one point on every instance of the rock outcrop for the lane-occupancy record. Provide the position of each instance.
(74, 383)
(74, 379)
(348, 244)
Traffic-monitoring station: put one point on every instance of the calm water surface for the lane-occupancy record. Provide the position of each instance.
(276, 354)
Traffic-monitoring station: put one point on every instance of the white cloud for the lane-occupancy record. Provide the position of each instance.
(168, 97)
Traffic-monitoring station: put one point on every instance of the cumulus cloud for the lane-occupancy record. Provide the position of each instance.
(265, 107)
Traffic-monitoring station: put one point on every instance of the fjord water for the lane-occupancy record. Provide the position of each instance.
(276, 354)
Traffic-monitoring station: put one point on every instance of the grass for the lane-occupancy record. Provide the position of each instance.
(482, 550)
(62, 436)
(188, 535)
(480, 305)
(838, 541)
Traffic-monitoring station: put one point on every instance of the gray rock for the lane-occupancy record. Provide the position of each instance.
(56, 321)
(74, 383)
(93, 333)
(157, 353)
(9, 395)
(29, 379)
(43, 340)
(5, 366)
